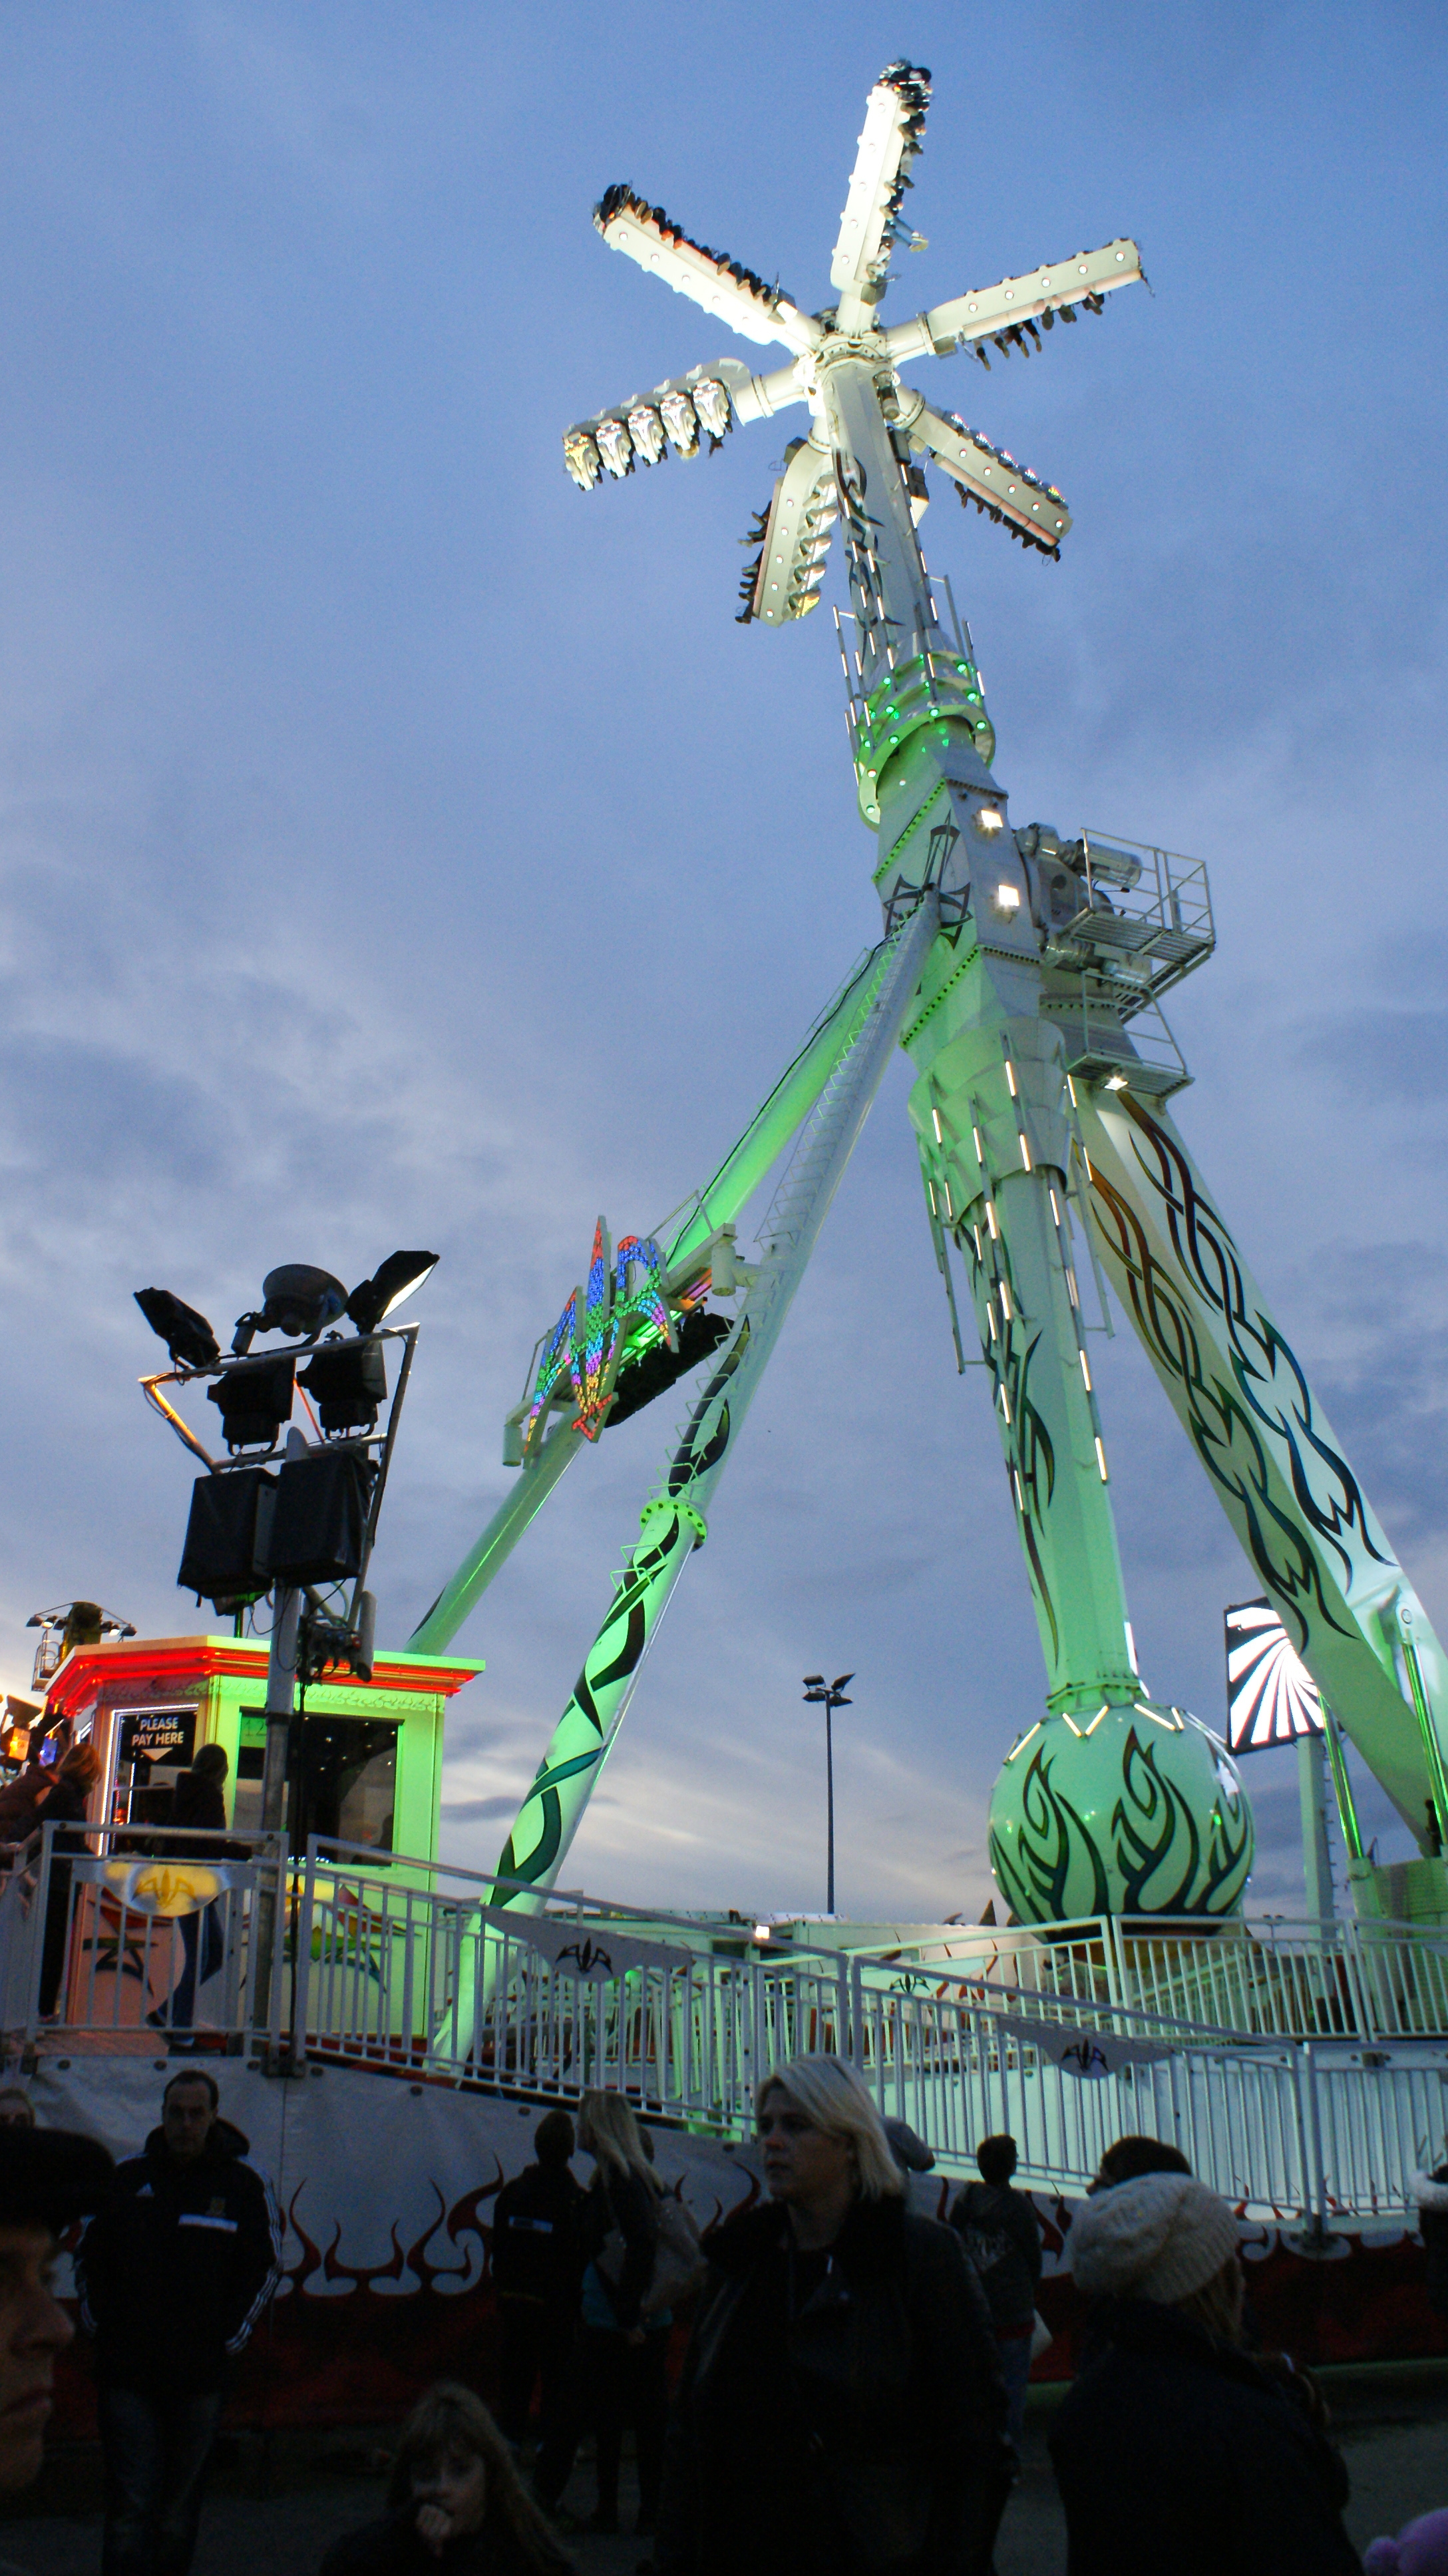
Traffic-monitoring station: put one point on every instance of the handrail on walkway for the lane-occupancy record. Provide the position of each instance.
(1303, 2068)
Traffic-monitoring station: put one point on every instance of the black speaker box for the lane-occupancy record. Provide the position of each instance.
(224, 1558)
(320, 1516)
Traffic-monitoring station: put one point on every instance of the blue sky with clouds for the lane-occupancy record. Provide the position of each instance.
(400, 847)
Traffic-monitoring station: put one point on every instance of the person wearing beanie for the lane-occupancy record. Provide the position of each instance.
(1176, 2450)
(1129, 2157)
(48, 2179)
(1421, 2549)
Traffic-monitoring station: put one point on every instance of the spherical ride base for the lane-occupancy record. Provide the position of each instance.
(1138, 1810)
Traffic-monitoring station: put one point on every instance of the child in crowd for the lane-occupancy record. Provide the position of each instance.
(455, 2502)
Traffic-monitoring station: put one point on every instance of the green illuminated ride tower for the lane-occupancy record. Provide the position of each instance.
(1022, 971)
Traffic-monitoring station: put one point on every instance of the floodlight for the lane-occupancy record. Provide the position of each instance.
(296, 1300)
(987, 820)
(255, 1400)
(399, 1274)
(349, 1381)
(187, 1336)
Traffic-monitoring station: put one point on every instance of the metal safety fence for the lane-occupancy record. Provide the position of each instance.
(110, 1937)
(1303, 2069)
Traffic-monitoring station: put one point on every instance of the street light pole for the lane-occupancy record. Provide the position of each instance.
(830, 1696)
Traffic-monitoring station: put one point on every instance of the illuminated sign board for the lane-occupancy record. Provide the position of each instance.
(1271, 1696)
(155, 1735)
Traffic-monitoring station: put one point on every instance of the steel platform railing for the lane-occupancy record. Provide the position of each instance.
(1303, 2068)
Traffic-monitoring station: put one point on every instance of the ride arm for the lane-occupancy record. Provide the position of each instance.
(738, 1176)
(869, 227)
(775, 1121)
(702, 405)
(1007, 311)
(794, 539)
(987, 476)
(723, 286)
(524, 1498)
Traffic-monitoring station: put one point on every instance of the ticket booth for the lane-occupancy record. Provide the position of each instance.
(371, 1751)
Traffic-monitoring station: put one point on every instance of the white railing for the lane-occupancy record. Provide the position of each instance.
(1294, 1980)
(92, 1939)
(1303, 2069)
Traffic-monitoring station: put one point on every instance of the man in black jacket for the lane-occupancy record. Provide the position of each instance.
(537, 2266)
(1002, 2236)
(173, 2273)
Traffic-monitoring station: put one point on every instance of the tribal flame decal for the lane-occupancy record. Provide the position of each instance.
(1052, 1839)
(1165, 1854)
(618, 1649)
(1260, 1420)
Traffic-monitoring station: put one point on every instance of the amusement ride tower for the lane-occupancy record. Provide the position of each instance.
(1022, 972)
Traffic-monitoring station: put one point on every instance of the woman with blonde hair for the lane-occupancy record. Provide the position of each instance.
(618, 2375)
(841, 2407)
(1176, 2448)
(455, 2500)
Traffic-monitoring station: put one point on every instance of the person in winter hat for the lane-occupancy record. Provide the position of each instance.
(48, 2179)
(1421, 2549)
(1175, 2449)
(1430, 2191)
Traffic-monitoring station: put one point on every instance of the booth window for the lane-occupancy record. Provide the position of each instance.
(348, 1785)
(349, 1780)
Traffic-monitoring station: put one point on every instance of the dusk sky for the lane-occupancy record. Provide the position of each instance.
(401, 847)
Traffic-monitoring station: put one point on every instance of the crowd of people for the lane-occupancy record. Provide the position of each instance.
(850, 2391)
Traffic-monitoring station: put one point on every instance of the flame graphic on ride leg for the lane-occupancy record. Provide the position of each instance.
(1053, 1836)
(1263, 1415)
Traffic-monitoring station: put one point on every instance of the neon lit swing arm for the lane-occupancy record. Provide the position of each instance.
(732, 1186)
(673, 1522)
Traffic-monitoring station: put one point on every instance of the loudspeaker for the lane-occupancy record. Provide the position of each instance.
(320, 1516)
(224, 1558)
